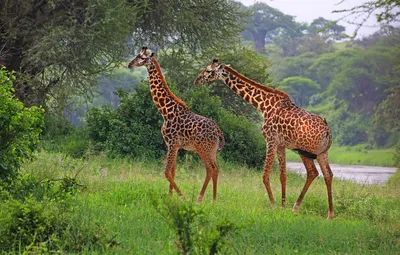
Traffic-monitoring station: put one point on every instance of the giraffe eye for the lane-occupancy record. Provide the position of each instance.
(208, 71)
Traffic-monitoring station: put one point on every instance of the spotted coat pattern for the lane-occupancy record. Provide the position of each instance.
(182, 129)
(285, 126)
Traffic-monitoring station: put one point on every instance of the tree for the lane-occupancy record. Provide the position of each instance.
(328, 29)
(300, 89)
(263, 21)
(386, 12)
(387, 113)
(58, 48)
(365, 78)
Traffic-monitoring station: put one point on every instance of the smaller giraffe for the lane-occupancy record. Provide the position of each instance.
(285, 126)
(182, 129)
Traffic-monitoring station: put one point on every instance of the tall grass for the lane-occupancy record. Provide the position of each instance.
(118, 196)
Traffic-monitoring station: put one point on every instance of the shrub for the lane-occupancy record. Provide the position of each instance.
(133, 129)
(19, 128)
(37, 216)
(196, 234)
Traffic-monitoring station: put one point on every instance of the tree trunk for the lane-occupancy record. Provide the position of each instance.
(259, 40)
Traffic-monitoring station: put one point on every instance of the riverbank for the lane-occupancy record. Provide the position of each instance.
(357, 173)
(354, 155)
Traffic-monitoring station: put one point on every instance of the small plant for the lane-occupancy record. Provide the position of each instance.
(196, 234)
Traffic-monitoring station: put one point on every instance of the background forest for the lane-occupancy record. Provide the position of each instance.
(68, 99)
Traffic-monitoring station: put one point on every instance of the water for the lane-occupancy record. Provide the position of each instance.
(360, 174)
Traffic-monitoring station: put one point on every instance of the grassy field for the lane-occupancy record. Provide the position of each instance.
(128, 200)
(354, 155)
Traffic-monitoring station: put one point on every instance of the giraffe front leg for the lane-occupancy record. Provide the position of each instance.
(312, 173)
(269, 161)
(282, 169)
(328, 176)
(170, 169)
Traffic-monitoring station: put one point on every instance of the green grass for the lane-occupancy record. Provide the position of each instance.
(118, 195)
(354, 155)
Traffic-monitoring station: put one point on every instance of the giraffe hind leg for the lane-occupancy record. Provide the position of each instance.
(312, 173)
(211, 173)
(282, 169)
(328, 177)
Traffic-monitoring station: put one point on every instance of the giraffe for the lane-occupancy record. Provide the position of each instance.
(285, 126)
(182, 129)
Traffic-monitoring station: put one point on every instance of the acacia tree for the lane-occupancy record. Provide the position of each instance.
(264, 20)
(58, 48)
(386, 12)
(300, 89)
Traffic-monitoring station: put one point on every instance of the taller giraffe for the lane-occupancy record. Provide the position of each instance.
(182, 129)
(285, 126)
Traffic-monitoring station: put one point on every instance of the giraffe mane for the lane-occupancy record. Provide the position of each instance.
(177, 99)
(256, 84)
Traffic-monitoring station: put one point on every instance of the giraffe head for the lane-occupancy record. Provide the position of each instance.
(211, 73)
(142, 59)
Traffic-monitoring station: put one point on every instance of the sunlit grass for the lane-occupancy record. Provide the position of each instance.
(118, 195)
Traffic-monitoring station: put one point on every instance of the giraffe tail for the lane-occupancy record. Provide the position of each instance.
(221, 140)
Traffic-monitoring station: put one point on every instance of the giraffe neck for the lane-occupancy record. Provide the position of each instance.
(166, 102)
(256, 94)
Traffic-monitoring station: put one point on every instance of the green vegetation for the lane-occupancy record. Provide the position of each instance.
(97, 185)
(19, 129)
(114, 208)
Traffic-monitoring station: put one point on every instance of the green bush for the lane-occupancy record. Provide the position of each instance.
(37, 216)
(195, 232)
(133, 129)
(19, 128)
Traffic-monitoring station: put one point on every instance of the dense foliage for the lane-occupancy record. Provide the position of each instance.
(19, 128)
(59, 48)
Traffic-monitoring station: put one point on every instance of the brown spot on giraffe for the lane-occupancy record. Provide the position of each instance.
(285, 126)
(182, 129)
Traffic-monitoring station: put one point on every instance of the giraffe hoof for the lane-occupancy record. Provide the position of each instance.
(200, 199)
(296, 208)
(330, 215)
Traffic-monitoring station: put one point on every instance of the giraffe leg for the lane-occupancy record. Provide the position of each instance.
(214, 177)
(209, 173)
(328, 176)
(269, 161)
(312, 173)
(282, 167)
(173, 174)
(170, 169)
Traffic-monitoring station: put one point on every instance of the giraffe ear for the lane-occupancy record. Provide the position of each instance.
(152, 54)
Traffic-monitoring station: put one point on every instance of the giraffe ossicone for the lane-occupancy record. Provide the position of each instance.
(285, 126)
(182, 129)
